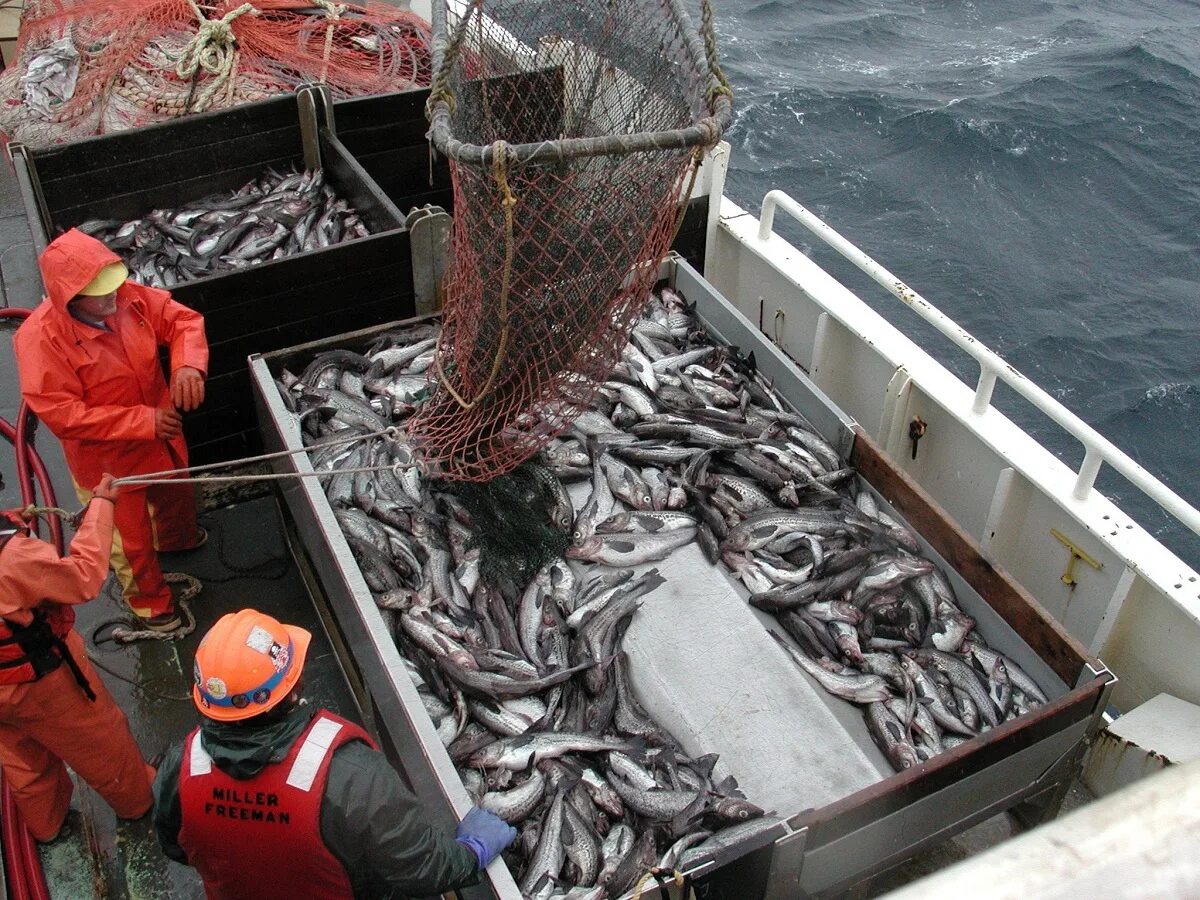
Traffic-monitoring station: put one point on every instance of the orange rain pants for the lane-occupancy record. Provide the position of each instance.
(156, 517)
(49, 722)
(97, 389)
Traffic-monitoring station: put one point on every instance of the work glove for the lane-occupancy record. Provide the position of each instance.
(486, 834)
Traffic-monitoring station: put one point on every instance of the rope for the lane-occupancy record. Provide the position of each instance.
(333, 12)
(122, 634)
(709, 32)
(508, 201)
(265, 476)
(141, 686)
(439, 89)
(213, 49)
(391, 431)
(45, 512)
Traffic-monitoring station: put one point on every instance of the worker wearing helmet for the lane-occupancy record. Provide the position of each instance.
(53, 707)
(89, 368)
(271, 796)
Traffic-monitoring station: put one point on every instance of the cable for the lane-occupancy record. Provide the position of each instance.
(253, 571)
(138, 684)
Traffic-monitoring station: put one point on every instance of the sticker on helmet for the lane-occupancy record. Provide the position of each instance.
(262, 695)
(259, 640)
(239, 701)
(215, 688)
(279, 657)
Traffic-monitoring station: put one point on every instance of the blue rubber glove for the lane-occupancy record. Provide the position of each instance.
(486, 834)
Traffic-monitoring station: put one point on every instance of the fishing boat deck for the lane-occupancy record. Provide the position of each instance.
(104, 858)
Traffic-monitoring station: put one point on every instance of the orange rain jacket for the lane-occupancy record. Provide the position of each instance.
(32, 572)
(98, 395)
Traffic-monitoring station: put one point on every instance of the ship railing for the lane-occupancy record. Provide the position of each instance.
(1098, 450)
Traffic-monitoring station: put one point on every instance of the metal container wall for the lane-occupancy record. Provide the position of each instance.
(819, 852)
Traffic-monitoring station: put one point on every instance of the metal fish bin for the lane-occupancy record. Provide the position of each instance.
(697, 663)
(274, 304)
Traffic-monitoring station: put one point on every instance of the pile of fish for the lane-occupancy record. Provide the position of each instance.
(273, 216)
(529, 687)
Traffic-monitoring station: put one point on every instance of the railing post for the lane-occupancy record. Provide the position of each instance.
(1092, 460)
(766, 219)
(983, 390)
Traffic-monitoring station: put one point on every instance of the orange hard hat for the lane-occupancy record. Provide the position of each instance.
(246, 664)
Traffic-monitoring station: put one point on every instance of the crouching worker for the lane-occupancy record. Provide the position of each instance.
(54, 709)
(270, 792)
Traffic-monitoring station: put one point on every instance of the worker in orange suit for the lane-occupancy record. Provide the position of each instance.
(89, 368)
(54, 709)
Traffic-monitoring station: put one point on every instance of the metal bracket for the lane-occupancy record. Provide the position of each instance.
(429, 241)
(787, 861)
(307, 102)
(1068, 576)
(30, 187)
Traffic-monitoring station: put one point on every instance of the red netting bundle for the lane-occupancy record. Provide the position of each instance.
(573, 129)
(87, 67)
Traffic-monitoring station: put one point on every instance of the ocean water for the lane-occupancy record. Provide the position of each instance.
(1031, 168)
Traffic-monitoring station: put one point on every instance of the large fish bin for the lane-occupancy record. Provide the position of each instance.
(705, 666)
(278, 303)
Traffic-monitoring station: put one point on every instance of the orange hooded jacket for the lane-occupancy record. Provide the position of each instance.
(98, 391)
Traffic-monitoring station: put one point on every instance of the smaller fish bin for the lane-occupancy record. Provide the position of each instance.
(806, 795)
(362, 280)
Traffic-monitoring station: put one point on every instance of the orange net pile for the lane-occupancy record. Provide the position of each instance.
(86, 67)
(574, 129)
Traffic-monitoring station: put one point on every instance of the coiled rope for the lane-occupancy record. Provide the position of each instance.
(121, 633)
(213, 50)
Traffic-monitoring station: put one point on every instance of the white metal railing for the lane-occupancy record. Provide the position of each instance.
(992, 367)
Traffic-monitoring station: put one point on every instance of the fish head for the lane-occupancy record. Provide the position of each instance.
(585, 550)
(487, 757)
(735, 809)
(904, 755)
(614, 523)
(498, 779)
(999, 672)
(736, 541)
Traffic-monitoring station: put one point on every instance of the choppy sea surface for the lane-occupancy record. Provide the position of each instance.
(1031, 168)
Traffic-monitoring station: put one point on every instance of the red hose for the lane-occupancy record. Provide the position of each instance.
(16, 862)
(23, 867)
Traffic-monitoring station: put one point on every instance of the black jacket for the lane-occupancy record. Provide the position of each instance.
(370, 821)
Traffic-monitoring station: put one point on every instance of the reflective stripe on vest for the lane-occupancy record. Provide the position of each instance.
(201, 762)
(312, 754)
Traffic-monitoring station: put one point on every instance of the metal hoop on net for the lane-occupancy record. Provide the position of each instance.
(574, 132)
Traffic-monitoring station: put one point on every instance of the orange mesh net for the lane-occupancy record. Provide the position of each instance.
(574, 130)
(140, 62)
